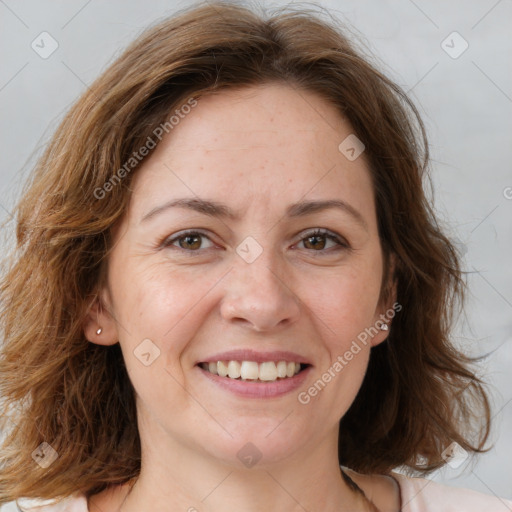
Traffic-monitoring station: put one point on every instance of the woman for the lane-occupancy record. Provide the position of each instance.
(242, 297)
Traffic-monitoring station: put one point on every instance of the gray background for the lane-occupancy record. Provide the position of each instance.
(466, 103)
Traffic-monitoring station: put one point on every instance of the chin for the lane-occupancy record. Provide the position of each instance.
(254, 445)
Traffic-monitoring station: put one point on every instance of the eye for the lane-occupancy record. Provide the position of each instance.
(319, 239)
(188, 241)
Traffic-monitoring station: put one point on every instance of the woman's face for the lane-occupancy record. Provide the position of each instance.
(253, 171)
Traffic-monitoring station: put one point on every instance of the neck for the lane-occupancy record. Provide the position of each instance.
(193, 481)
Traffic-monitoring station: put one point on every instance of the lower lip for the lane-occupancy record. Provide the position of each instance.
(251, 389)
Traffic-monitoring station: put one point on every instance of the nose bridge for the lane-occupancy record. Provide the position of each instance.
(262, 274)
(257, 291)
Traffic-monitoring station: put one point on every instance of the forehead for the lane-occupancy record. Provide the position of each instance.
(266, 116)
(260, 142)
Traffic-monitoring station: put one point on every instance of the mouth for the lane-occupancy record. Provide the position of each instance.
(252, 371)
(255, 380)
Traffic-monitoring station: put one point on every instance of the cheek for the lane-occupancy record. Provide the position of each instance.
(345, 303)
(167, 308)
(162, 305)
(343, 309)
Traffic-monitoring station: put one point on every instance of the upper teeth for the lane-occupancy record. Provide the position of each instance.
(267, 371)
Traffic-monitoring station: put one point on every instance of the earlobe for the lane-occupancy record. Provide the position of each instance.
(99, 324)
(382, 325)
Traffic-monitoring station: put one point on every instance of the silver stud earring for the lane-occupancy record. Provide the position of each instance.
(99, 331)
(384, 327)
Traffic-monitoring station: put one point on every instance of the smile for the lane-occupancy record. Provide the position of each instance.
(249, 379)
(268, 371)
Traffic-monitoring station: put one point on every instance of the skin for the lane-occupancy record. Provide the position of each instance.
(257, 150)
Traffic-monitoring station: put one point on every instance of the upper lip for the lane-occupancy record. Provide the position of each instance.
(258, 357)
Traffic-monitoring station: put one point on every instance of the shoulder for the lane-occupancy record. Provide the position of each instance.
(422, 495)
(74, 503)
(108, 499)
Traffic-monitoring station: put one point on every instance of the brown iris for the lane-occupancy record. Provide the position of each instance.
(316, 241)
(191, 242)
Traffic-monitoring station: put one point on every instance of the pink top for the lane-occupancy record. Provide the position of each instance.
(421, 495)
(418, 495)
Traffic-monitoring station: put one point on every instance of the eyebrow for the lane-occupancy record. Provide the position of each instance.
(216, 209)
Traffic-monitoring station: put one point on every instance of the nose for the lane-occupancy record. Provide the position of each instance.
(259, 296)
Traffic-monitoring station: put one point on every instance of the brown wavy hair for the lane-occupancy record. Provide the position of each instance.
(420, 393)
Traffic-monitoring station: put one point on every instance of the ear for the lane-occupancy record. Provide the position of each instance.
(388, 305)
(99, 323)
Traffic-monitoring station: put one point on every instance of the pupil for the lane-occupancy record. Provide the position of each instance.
(316, 244)
(192, 241)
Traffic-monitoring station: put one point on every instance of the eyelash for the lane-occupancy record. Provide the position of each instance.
(341, 242)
